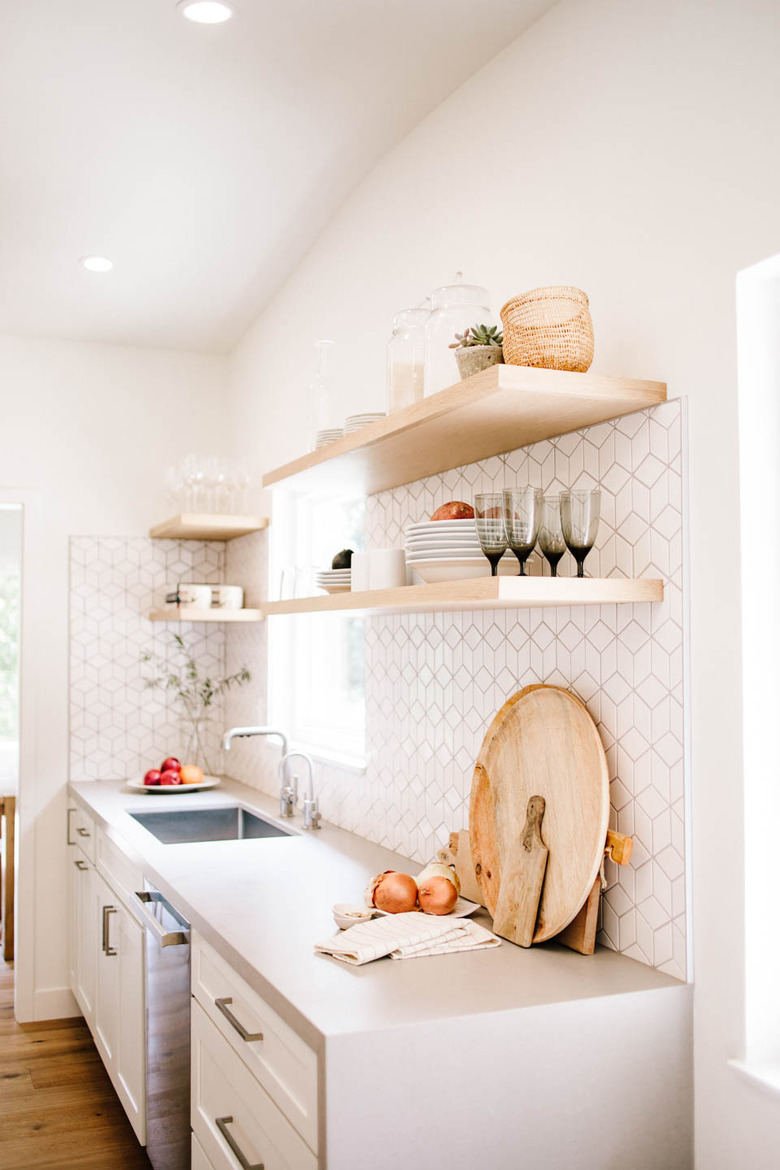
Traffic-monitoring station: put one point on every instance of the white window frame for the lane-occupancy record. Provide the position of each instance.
(291, 706)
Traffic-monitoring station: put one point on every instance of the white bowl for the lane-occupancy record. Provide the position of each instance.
(346, 914)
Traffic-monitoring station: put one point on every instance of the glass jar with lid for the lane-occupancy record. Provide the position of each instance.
(406, 359)
(455, 308)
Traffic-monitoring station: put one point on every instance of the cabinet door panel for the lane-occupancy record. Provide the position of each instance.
(84, 940)
(120, 1025)
(128, 936)
(106, 1030)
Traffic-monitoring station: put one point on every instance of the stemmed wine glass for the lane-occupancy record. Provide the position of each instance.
(489, 519)
(551, 540)
(580, 521)
(522, 514)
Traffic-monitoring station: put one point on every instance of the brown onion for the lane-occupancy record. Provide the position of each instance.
(394, 892)
(437, 895)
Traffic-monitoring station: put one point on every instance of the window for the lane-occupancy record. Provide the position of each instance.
(316, 661)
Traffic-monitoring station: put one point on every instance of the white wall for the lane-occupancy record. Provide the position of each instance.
(86, 434)
(628, 148)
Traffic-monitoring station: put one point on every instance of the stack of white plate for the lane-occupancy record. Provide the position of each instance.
(328, 436)
(356, 422)
(333, 580)
(449, 550)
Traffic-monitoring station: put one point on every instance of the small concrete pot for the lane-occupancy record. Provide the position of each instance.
(472, 359)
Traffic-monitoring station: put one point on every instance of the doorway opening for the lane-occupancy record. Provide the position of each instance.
(11, 520)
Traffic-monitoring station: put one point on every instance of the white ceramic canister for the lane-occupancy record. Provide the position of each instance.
(227, 597)
(193, 593)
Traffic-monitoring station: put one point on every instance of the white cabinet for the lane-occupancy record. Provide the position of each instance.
(83, 934)
(107, 966)
(119, 1022)
(275, 1055)
(233, 1118)
(254, 1081)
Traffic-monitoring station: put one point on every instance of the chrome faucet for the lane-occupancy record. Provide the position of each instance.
(288, 796)
(311, 812)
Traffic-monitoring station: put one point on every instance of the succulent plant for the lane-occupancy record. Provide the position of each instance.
(478, 335)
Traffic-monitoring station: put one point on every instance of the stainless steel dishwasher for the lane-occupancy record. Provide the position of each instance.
(167, 1032)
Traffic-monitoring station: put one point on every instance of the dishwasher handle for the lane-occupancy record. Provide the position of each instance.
(166, 938)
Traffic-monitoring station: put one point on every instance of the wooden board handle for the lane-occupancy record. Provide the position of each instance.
(521, 887)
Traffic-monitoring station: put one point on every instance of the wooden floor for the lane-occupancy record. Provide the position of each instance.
(57, 1106)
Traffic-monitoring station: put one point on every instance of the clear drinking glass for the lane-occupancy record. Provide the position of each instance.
(551, 540)
(489, 519)
(522, 515)
(580, 522)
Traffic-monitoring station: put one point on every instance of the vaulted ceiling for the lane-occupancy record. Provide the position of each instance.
(203, 160)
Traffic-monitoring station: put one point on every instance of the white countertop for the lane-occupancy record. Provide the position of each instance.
(264, 903)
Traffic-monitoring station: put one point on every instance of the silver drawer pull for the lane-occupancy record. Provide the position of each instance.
(244, 1163)
(107, 948)
(222, 1004)
(82, 832)
(81, 865)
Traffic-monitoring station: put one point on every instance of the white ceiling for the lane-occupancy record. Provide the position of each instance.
(204, 160)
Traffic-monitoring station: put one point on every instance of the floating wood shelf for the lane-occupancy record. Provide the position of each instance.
(498, 410)
(207, 526)
(479, 593)
(174, 613)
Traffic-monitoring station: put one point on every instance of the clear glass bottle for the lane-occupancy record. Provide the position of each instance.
(455, 307)
(406, 359)
(322, 405)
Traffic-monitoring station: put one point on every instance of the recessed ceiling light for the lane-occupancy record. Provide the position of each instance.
(97, 263)
(206, 11)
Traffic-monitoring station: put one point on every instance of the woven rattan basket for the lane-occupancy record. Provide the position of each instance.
(549, 327)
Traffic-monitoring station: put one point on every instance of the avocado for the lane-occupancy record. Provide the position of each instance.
(343, 559)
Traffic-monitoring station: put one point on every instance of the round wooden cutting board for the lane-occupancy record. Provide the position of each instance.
(544, 743)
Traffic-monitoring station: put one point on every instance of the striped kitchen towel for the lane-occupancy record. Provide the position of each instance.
(406, 936)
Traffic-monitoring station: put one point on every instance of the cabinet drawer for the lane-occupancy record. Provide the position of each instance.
(118, 870)
(199, 1159)
(283, 1064)
(81, 830)
(231, 1114)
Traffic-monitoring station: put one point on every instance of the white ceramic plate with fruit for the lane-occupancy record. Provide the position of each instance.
(173, 789)
(174, 777)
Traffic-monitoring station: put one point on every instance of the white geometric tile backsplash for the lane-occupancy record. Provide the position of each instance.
(118, 726)
(434, 681)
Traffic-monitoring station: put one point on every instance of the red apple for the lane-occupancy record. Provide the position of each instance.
(455, 510)
(170, 776)
(152, 776)
(170, 765)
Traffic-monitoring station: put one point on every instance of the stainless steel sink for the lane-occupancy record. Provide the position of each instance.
(233, 823)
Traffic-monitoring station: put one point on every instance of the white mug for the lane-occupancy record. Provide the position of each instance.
(387, 568)
(227, 597)
(360, 574)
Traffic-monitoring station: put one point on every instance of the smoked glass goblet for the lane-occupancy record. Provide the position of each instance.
(551, 540)
(522, 514)
(489, 520)
(580, 522)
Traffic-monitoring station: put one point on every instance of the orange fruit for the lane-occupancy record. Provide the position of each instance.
(191, 774)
